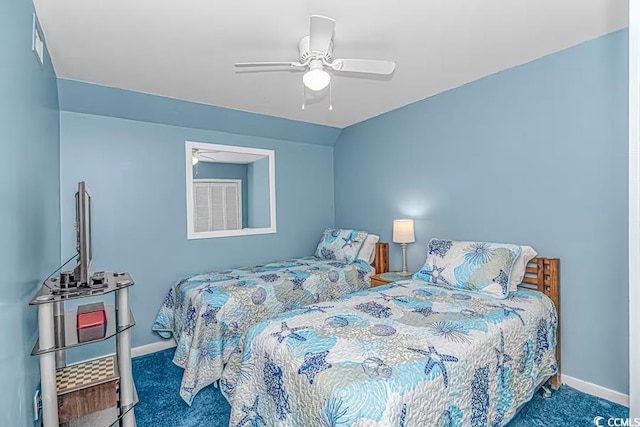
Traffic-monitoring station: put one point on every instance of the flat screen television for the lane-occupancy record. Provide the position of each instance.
(82, 272)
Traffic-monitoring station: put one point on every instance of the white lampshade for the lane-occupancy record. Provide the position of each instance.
(316, 79)
(403, 231)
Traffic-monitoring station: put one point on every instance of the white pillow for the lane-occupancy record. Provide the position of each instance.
(519, 267)
(368, 251)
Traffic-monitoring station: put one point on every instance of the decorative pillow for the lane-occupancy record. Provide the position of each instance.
(517, 274)
(368, 251)
(474, 266)
(340, 245)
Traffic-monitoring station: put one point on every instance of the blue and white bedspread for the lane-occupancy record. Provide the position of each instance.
(208, 313)
(406, 354)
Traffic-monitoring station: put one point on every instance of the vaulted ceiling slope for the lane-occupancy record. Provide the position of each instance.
(186, 49)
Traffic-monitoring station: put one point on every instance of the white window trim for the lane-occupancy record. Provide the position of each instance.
(191, 234)
(634, 209)
(238, 182)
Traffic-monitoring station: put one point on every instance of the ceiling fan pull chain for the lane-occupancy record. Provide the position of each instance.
(304, 96)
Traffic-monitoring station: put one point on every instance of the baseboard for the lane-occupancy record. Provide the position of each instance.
(596, 390)
(153, 347)
(137, 351)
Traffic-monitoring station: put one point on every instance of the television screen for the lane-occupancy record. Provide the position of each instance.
(83, 234)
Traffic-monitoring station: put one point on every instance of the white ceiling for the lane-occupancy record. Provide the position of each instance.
(186, 49)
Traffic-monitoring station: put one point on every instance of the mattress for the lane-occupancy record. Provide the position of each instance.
(405, 354)
(208, 313)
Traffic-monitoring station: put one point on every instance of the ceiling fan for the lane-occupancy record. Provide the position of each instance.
(204, 155)
(316, 56)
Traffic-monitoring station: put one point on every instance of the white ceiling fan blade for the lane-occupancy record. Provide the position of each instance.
(321, 34)
(268, 64)
(369, 66)
(205, 157)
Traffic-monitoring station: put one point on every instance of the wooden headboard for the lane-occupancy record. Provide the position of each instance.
(381, 263)
(543, 275)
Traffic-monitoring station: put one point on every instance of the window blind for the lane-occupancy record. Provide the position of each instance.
(217, 205)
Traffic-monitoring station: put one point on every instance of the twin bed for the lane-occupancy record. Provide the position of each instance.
(415, 352)
(208, 313)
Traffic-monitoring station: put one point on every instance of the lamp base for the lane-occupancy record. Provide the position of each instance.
(404, 273)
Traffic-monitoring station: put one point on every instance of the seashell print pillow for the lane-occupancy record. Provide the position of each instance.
(340, 245)
(472, 266)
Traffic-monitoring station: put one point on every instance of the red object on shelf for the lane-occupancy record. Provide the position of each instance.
(91, 322)
(91, 315)
(94, 318)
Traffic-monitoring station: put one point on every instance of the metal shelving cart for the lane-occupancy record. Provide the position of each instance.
(58, 332)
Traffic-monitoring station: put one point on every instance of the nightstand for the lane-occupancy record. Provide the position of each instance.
(386, 278)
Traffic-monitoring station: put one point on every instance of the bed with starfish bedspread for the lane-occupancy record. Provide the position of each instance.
(406, 354)
(207, 313)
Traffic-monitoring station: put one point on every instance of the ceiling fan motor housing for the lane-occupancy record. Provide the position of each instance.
(306, 54)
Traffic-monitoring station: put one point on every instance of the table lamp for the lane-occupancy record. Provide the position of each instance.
(403, 233)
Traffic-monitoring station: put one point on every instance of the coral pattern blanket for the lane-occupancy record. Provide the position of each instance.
(405, 354)
(208, 313)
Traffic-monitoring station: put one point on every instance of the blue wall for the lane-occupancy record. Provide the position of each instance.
(89, 98)
(30, 209)
(536, 154)
(259, 209)
(212, 170)
(139, 220)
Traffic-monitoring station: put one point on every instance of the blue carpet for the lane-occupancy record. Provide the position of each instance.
(158, 381)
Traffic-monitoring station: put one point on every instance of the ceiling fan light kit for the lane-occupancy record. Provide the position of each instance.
(316, 78)
(316, 57)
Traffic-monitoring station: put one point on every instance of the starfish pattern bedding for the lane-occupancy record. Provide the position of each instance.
(406, 354)
(208, 313)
